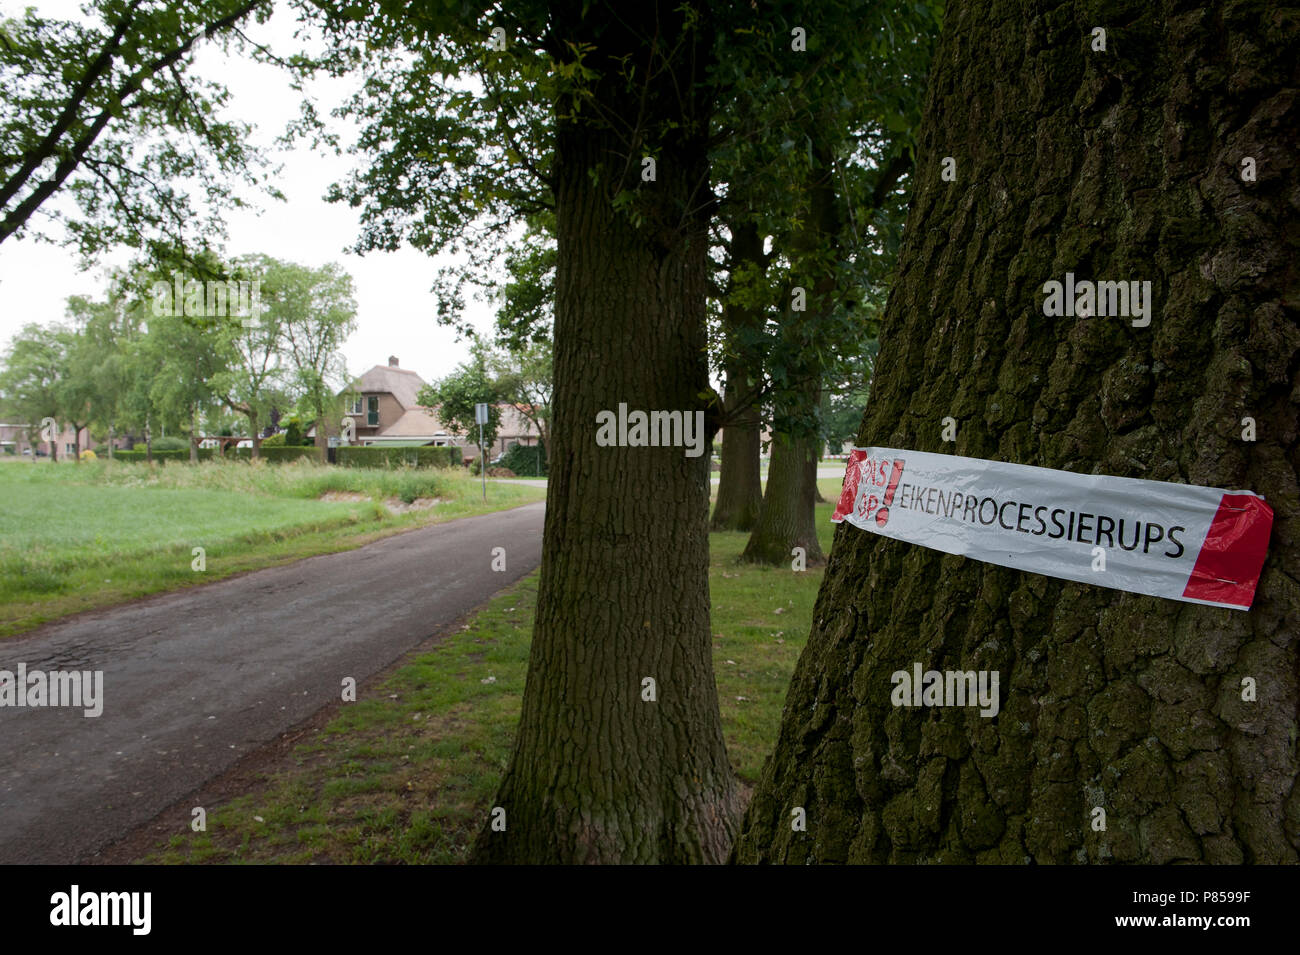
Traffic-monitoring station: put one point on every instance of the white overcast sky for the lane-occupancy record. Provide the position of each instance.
(395, 309)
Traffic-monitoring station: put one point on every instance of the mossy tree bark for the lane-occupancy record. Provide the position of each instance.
(1122, 164)
(599, 772)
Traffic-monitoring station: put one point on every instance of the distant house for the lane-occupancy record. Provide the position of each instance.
(515, 428)
(17, 439)
(387, 413)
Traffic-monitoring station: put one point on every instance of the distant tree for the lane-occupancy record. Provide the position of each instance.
(845, 399)
(524, 378)
(315, 312)
(182, 357)
(87, 393)
(455, 396)
(254, 378)
(29, 380)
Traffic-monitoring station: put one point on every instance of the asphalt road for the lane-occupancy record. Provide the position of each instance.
(196, 679)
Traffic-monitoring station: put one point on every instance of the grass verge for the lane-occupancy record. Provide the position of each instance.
(407, 773)
(76, 537)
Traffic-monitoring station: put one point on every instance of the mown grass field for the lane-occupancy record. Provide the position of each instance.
(77, 537)
(407, 773)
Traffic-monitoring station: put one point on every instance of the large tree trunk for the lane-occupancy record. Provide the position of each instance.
(740, 481)
(600, 774)
(1123, 164)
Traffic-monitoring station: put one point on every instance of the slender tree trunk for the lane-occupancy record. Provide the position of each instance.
(815, 448)
(787, 520)
(1114, 165)
(76, 442)
(112, 440)
(194, 436)
(740, 483)
(256, 432)
(322, 439)
(619, 755)
(788, 517)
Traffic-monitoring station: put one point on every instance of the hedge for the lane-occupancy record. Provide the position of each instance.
(272, 454)
(355, 457)
(277, 454)
(381, 457)
(139, 454)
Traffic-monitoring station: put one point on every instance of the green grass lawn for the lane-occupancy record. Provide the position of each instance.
(407, 773)
(75, 537)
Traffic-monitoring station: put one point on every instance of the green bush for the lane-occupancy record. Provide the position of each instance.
(293, 432)
(171, 444)
(274, 441)
(524, 461)
(380, 457)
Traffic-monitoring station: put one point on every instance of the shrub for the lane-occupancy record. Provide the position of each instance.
(380, 457)
(171, 444)
(275, 441)
(524, 461)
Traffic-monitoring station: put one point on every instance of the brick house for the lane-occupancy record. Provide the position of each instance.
(17, 439)
(387, 413)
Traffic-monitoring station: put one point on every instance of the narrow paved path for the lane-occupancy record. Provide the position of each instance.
(196, 679)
